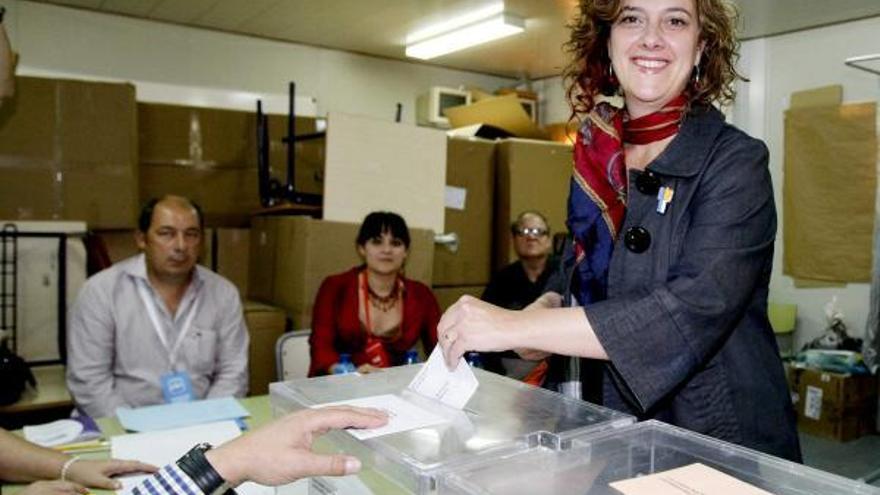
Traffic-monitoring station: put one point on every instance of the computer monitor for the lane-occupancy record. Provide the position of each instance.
(430, 106)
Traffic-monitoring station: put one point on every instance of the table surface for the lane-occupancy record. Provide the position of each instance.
(258, 406)
(51, 391)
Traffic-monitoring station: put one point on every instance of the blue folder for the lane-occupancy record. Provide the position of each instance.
(166, 416)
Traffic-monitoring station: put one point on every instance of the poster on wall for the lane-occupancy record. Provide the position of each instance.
(829, 191)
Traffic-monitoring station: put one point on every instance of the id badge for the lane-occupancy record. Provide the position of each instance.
(177, 387)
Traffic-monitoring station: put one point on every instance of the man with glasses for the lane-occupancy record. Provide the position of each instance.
(517, 285)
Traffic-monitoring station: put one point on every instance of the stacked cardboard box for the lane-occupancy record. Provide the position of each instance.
(530, 175)
(230, 250)
(265, 324)
(833, 405)
(291, 255)
(470, 188)
(69, 152)
(210, 156)
(447, 296)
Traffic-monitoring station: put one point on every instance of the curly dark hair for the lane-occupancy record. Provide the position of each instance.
(587, 75)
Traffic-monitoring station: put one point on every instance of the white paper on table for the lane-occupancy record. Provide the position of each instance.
(693, 478)
(166, 446)
(402, 415)
(453, 388)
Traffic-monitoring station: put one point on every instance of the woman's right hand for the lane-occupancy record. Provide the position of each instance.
(474, 325)
(548, 300)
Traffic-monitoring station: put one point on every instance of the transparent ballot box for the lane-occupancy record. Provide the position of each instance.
(589, 464)
(503, 416)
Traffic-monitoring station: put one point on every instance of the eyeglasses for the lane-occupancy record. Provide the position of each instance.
(530, 231)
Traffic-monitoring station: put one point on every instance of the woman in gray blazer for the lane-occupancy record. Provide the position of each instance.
(673, 223)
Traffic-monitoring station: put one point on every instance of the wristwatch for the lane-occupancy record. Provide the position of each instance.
(203, 474)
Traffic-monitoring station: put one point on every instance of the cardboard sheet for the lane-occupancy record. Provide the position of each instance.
(829, 192)
(377, 165)
(504, 112)
(817, 97)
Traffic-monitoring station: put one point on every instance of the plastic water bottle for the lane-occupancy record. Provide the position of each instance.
(473, 359)
(411, 357)
(344, 365)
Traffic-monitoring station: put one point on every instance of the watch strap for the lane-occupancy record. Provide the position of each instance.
(196, 466)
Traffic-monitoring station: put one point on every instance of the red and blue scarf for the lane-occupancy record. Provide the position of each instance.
(597, 196)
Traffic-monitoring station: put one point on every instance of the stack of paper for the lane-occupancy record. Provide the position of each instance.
(78, 432)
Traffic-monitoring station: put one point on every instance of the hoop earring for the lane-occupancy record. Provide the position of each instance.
(697, 75)
(612, 79)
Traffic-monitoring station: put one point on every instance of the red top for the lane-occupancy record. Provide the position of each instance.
(336, 327)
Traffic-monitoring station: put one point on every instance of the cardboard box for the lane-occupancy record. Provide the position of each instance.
(265, 324)
(446, 296)
(833, 405)
(470, 196)
(120, 244)
(69, 152)
(529, 175)
(210, 156)
(230, 251)
(291, 255)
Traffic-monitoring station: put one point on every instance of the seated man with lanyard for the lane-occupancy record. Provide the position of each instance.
(156, 327)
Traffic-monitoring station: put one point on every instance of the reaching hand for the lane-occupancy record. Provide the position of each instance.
(474, 325)
(56, 487)
(98, 474)
(280, 452)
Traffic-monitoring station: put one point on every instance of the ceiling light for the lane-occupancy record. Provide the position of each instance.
(477, 32)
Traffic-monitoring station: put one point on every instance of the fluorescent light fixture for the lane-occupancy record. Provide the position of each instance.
(477, 32)
(456, 22)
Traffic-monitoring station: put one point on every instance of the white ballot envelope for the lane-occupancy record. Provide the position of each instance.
(453, 388)
(433, 381)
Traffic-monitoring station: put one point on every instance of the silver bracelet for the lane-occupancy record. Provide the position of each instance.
(66, 467)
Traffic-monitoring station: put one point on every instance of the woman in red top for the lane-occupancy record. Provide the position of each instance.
(373, 312)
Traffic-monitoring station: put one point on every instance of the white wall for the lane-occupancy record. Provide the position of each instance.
(778, 66)
(58, 40)
(554, 107)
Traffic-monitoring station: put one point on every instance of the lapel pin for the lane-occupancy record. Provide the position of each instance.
(664, 197)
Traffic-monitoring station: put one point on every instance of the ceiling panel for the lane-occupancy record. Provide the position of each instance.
(227, 16)
(86, 4)
(186, 12)
(135, 8)
(380, 27)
